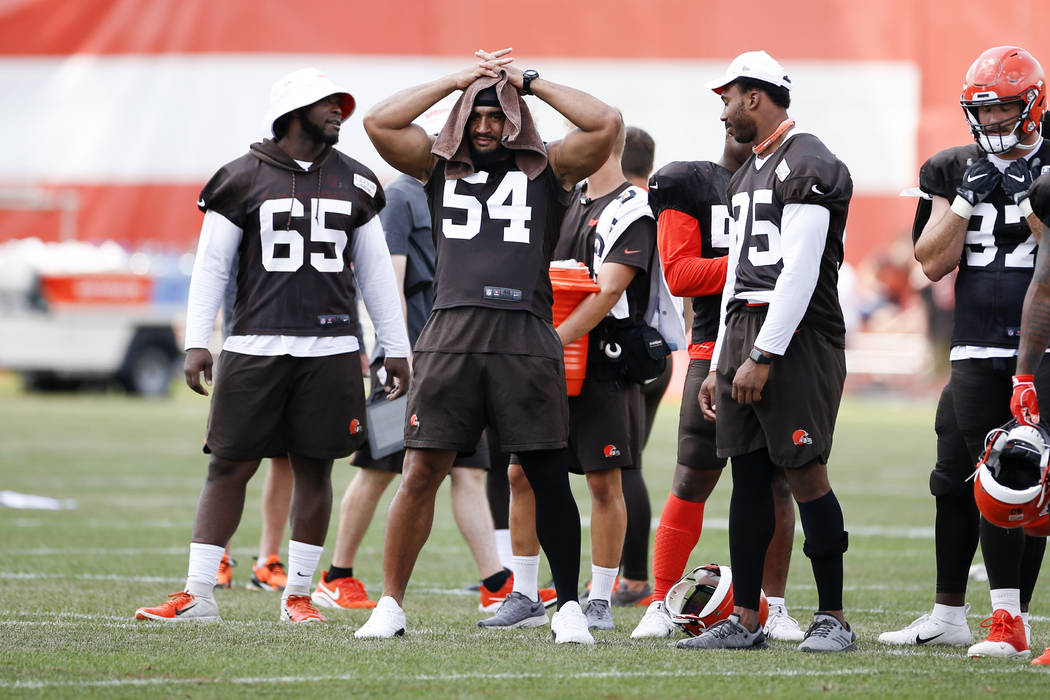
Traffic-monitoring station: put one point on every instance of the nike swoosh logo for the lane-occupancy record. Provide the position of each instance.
(974, 178)
(654, 186)
(200, 203)
(920, 641)
(1019, 178)
(188, 607)
(334, 595)
(300, 573)
(628, 251)
(816, 190)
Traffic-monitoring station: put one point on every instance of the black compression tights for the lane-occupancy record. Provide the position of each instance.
(557, 517)
(639, 518)
(956, 537)
(751, 524)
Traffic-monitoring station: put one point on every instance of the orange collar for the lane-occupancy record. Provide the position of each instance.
(780, 131)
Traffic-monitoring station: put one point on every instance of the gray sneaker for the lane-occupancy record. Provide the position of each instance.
(727, 634)
(828, 634)
(599, 616)
(517, 611)
(624, 597)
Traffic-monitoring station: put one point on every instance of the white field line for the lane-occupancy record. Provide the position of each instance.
(453, 677)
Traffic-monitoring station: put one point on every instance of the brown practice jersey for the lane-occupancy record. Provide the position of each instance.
(698, 189)
(579, 240)
(294, 275)
(998, 256)
(801, 171)
(495, 233)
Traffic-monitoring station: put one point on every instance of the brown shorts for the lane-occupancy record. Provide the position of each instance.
(454, 396)
(605, 426)
(393, 463)
(272, 406)
(696, 434)
(795, 420)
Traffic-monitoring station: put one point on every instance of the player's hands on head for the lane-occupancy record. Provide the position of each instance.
(1024, 404)
(979, 180)
(514, 74)
(706, 397)
(198, 360)
(398, 376)
(1017, 180)
(489, 66)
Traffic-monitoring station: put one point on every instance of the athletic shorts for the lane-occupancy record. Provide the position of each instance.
(454, 396)
(266, 406)
(393, 463)
(696, 434)
(954, 464)
(605, 426)
(981, 391)
(795, 420)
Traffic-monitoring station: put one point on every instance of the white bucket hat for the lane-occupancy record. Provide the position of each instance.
(302, 88)
(757, 65)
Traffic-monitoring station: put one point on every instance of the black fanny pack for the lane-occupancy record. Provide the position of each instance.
(636, 350)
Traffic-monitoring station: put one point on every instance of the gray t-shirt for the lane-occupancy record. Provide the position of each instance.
(406, 222)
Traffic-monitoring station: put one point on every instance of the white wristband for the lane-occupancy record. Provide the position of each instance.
(961, 207)
(1026, 207)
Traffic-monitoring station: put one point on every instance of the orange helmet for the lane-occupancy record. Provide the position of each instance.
(1010, 485)
(1002, 75)
(704, 597)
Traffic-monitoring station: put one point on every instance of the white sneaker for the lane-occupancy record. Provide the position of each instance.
(781, 626)
(928, 631)
(655, 623)
(387, 621)
(569, 625)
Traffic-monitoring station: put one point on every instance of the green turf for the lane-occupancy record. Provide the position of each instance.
(70, 581)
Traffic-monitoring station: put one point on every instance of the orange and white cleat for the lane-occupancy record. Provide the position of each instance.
(491, 600)
(224, 579)
(299, 608)
(181, 606)
(1043, 659)
(268, 576)
(1006, 637)
(346, 592)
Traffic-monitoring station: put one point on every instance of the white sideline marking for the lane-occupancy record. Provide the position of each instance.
(778, 673)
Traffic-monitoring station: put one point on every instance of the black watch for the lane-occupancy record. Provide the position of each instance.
(760, 358)
(526, 80)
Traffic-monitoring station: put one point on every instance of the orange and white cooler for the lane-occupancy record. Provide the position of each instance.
(572, 282)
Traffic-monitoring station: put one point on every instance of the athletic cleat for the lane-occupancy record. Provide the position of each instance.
(491, 600)
(929, 631)
(625, 597)
(1043, 659)
(517, 611)
(727, 634)
(781, 626)
(182, 607)
(655, 623)
(299, 608)
(1006, 638)
(569, 625)
(224, 579)
(827, 634)
(270, 576)
(346, 592)
(387, 621)
(599, 615)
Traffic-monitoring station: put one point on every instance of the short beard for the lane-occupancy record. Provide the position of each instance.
(484, 160)
(317, 133)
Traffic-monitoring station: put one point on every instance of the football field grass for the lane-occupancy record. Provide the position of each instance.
(70, 581)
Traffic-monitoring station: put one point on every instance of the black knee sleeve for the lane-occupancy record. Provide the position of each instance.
(826, 542)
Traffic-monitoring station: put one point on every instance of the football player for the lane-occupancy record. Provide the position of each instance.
(489, 355)
(980, 222)
(778, 365)
(297, 214)
(693, 224)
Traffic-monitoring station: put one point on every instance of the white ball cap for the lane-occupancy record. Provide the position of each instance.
(302, 88)
(757, 65)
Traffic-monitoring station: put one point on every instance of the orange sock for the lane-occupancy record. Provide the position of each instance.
(677, 534)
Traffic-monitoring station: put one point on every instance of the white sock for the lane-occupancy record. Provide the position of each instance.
(302, 563)
(503, 548)
(952, 614)
(1008, 599)
(774, 601)
(526, 576)
(602, 580)
(203, 570)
